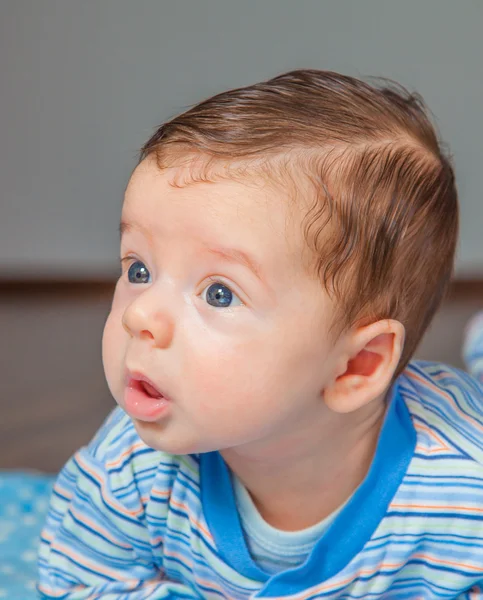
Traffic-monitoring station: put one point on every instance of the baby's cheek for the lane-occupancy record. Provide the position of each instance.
(243, 378)
(112, 354)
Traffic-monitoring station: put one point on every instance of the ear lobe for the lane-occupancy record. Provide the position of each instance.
(374, 352)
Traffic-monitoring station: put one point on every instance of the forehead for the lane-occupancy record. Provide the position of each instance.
(250, 213)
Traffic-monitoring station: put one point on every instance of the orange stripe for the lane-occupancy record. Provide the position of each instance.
(434, 507)
(48, 591)
(426, 450)
(204, 582)
(118, 508)
(47, 536)
(103, 532)
(130, 450)
(51, 592)
(184, 508)
(441, 392)
(378, 568)
(205, 531)
(96, 568)
(63, 491)
(432, 434)
(439, 561)
(160, 492)
(322, 588)
(155, 541)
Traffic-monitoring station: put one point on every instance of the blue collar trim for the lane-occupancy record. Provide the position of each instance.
(348, 533)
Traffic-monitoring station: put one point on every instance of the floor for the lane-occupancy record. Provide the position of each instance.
(52, 390)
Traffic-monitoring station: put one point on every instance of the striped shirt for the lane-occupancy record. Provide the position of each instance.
(130, 522)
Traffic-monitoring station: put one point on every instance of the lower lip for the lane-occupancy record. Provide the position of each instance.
(142, 406)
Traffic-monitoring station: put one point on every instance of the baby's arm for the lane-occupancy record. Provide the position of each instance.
(95, 545)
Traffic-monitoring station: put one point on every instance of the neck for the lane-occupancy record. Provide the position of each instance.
(304, 476)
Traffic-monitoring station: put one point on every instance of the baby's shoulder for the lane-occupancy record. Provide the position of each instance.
(126, 460)
(447, 404)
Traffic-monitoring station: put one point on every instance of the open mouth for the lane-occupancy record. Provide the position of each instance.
(149, 389)
(143, 401)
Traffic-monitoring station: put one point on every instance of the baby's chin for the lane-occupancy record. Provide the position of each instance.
(162, 437)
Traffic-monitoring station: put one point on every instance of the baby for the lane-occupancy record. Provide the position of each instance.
(284, 246)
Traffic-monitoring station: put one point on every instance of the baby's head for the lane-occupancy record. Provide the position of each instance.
(284, 248)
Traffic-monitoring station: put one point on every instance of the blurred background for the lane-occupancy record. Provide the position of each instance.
(84, 83)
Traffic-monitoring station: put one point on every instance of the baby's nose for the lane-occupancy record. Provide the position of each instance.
(142, 320)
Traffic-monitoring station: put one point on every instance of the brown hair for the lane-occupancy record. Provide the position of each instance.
(384, 219)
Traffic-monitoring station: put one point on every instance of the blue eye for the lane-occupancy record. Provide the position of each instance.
(138, 273)
(220, 296)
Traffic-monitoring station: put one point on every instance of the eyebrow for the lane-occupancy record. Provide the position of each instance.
(228, 254)
(125, 227)
(238, 256)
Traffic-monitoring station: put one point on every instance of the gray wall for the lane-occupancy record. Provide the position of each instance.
(84, 82)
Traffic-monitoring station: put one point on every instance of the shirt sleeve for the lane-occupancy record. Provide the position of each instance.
(95, 545)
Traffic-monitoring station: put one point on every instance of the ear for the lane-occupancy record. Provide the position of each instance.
(369, 359)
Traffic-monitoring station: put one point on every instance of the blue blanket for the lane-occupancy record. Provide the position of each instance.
(24, 500)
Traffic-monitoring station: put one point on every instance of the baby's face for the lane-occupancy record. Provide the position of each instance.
(217, 337)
